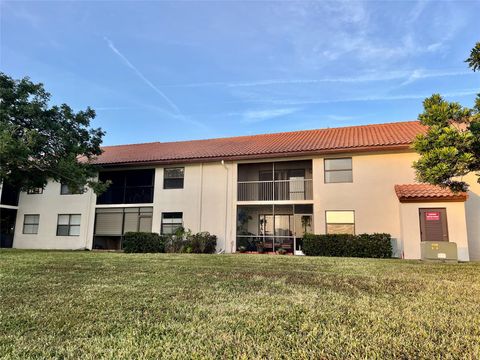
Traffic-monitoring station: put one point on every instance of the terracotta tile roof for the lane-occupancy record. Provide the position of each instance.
(427, 192)
(391, 136)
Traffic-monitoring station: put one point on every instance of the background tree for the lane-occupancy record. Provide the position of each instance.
(40, 142)
(451, 147)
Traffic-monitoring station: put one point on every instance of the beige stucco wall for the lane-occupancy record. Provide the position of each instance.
(472, 208)
(371, 194)
(208, 203)
(206, 200)
(48, 205)
(456, 222)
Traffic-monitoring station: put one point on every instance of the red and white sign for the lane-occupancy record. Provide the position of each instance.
(432, 216)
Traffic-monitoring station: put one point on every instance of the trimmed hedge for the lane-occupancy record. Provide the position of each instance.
(363, 245)
(143, 242)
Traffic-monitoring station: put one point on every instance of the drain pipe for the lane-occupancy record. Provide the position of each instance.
(226, 207)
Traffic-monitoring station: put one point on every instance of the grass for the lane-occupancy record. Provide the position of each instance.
(110, 305)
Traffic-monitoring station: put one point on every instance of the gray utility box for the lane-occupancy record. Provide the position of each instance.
(439, 250)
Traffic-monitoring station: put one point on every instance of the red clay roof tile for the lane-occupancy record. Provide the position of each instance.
(354, 138)
(427, 192)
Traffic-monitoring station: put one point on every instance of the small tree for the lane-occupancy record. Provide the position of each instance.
(39, 142)
(450, 148)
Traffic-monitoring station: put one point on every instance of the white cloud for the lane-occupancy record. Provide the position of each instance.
(262, 115)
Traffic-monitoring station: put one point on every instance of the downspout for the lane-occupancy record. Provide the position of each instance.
(200, 205)
(226, 207)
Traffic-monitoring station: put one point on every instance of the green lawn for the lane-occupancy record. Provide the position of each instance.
(113, 305)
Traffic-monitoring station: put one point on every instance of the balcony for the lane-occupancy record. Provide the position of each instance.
(280, 181)
(293, 189)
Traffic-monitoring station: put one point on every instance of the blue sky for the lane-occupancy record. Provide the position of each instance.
(165, 71)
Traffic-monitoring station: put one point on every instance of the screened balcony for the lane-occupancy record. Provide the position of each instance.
(275, 181)
(268, 228)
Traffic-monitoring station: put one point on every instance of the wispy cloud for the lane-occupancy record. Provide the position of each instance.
(141, 76)
(459, 93)
(262, 115)
(406, 75)
(151, 85)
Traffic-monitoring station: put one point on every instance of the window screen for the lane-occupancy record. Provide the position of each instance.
(173, 178)
(171, 222)
(118, 221)
(30, 224)
(338, 170)
(340, 222)
(128, 187)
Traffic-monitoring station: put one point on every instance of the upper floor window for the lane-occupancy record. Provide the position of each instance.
(128, 187)
(340, 222)
(66, 190)
(338, 170)
(30, 224)
(173, 178)
(35, 191)
(68, 225)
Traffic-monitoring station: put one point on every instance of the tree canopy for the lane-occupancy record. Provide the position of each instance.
(450, 148)
(39, 142)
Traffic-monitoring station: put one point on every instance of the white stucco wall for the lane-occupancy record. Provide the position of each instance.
(472, 209)
(49, 205)
(208, 203)
(207, 200)
(456, 222)
(371, 194)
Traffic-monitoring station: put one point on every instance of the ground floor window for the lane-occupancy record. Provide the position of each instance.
(112, 223)
(171, 222)
(268, 228)
(68, 225)
(340, 222)
(30, 224)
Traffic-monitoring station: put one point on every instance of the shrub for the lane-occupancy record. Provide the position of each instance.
(183, 241)
(203, 243)
(143, 242)
(363, 245)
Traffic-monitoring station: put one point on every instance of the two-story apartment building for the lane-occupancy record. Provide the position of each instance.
(257, 191)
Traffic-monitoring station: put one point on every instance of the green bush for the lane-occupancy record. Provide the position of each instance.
(363, 245)
(203, 243)
(143, 242)
(184, 241)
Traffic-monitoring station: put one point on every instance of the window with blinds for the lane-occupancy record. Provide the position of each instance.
(340, 222)
(118, 221)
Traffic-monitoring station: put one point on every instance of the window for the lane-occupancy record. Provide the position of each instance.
(118, 221)
(30, 224)
(128, 187)
(35, 191)
(338, 170)
(68, 225)
(171, 222)
(65, 190)
(173, 178)
(340, 222)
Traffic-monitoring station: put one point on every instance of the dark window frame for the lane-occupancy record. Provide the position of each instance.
(173, 180)
(325, 171)
(163, 217)
(69, 225)
(35, 191)
(122, 191)
(65, 190)
(354, 220)
(25, 223)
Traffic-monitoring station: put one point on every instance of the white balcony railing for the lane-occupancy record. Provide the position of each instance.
(293, 189)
